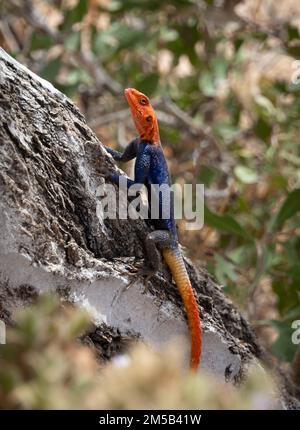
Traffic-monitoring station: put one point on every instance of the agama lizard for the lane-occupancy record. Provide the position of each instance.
(151, 168)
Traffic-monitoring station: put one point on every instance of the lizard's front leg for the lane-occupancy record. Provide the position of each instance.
(128, 154)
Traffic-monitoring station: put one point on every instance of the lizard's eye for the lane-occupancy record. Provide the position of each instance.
(149, 118)
(143, 101)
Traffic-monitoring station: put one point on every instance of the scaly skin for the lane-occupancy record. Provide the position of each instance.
(151, 168)
(176, 264)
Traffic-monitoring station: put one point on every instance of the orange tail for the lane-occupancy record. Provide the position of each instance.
(177, 267)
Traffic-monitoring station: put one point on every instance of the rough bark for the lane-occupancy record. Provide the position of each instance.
(53, 239)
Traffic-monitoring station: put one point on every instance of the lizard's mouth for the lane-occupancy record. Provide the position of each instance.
(128, 95)
(132, 101)
(127, 91)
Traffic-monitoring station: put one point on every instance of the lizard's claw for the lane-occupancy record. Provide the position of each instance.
(145, 274)
(104, 171)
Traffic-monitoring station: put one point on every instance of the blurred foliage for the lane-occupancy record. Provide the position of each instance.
(230, 68)
(43, 366)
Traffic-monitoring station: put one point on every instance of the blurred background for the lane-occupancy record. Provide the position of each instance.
(224, 77)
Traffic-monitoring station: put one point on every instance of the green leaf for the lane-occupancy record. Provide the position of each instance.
(104, 44)
(287, 295)
(289, 208)
(168, 34)
(225, 223)
(114, 6)
(40, 41)
(263, 129)
(207, 84)
(51, 69)
(224, 270)
(265, 105)
(119, 37)
(207, 175)
(170, 133)
(68, 90)
(283, 346)
(238, 42)
(243, 255)
(227, 132)
(245, 174)
(294, 272)
(220, 68)
(76, 14)
(293, 32)
(78, 76)
(293, 314)
(147, 84)
(72, 42)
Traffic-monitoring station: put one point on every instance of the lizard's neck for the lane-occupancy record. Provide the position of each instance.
(152, 137)
(149, 133)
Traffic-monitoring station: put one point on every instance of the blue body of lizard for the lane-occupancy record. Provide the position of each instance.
(151, 168)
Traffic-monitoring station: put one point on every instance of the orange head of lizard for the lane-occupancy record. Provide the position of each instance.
(143, 115)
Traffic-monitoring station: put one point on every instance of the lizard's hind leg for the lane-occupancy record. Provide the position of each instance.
(156, 240)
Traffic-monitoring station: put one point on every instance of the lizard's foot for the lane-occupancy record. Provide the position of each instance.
(145, 273)
(105, 173)
(103, 170)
